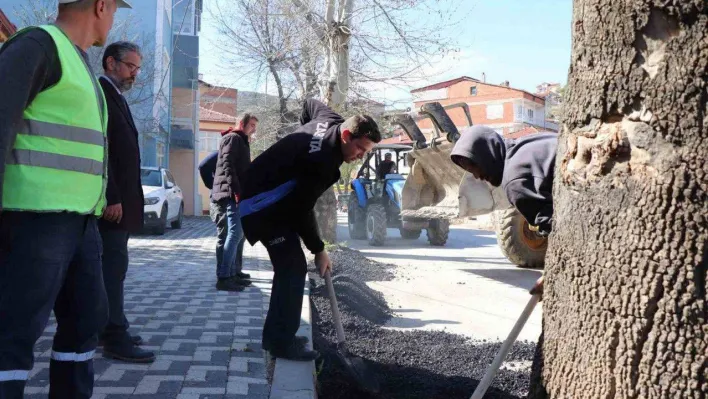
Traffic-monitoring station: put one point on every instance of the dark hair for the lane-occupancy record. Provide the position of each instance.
(362, 126)
(118, 51)
(247, 118)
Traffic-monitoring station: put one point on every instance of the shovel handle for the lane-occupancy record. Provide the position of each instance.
(486, 381)
(336, 317)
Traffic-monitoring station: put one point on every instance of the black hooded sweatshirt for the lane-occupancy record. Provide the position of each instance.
(300, 167)
(522, 167)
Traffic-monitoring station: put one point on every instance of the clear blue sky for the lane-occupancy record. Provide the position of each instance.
(526, 42)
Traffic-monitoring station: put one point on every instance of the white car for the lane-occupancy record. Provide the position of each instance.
(163, 200)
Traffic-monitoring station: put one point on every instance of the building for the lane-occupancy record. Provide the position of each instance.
(501, 107)
(217, 112)
(151, 104)
(148, 24)
(7, 29)
(184, 119)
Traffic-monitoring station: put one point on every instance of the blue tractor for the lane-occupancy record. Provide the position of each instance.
(375, 202)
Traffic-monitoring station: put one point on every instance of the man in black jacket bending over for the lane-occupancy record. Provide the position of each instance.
(523, 168)
(233, 160)
(278, 197)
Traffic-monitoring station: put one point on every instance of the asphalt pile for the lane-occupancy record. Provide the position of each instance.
(416, 364)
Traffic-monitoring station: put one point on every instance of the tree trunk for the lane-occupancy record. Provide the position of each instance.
(326, 213)
(625, 310)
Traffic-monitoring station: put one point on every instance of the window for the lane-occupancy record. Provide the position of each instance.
(209, 141)
(170, 178)
(473, 91)
(151, 178)
(530, 113)
(160, 154)
(495, 111)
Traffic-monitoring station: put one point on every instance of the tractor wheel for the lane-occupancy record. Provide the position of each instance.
(376, 224)
(518, 243)
(438, 230)
(410, 234)
(356, 219)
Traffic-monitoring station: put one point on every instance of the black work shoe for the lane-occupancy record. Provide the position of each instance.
(228, 284)
(243, 275)
(240, 281)
(296, 352)
(301, 341)
(128, 353)
(135, 339)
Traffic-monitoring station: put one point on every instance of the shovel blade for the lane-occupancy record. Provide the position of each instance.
(360, 373)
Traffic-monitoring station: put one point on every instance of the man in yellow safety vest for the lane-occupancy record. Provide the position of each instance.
(52, 189)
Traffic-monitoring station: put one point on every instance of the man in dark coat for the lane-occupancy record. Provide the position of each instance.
(277, 202)
(124, 196)
(523, 168)
(231, 164)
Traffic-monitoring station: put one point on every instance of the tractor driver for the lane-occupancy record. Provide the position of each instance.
(523, 167)
(387, 166)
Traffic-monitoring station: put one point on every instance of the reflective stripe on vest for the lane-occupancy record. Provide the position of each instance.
(55, 161)
(64, 132)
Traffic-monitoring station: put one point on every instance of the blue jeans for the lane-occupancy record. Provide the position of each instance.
(50, 261)
(233, 247)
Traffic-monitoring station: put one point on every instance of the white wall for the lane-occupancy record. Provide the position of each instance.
(430, 95)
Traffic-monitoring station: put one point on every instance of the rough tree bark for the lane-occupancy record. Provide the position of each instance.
(625, 310)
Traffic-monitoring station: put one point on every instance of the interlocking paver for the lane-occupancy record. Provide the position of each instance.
(207, 342)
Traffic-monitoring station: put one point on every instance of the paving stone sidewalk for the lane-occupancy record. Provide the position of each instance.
(207, 342)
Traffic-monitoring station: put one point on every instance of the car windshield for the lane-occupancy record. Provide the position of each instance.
(152, 178)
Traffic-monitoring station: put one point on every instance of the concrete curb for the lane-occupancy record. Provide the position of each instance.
(296, 380)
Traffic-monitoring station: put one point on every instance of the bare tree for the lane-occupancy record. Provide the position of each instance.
(625, 305)
(142, 97)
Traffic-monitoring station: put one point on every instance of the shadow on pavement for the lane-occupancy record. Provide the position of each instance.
(521, 278)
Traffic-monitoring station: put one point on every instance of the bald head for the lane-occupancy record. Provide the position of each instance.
(87, 22)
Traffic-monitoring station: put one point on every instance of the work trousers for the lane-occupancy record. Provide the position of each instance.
(50, 261)
(290, 268)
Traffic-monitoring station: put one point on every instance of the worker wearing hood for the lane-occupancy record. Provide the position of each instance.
(522, 167)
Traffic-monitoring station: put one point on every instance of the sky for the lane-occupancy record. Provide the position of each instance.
(526, 42)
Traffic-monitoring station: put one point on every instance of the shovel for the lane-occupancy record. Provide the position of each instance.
(354, 365)
(504, 350)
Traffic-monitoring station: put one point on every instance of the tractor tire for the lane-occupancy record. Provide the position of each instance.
(438, 231)
(376, 224)
(518, 243)
(356, 219)
(410, 234)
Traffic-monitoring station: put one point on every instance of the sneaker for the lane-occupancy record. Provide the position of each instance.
(243, 276)
(296, 352)
(301, 341)
(128, 353)
(228, 285)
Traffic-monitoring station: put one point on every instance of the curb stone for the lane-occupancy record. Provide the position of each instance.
(296, 380)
